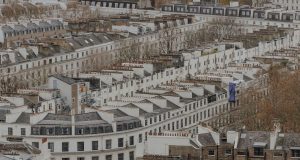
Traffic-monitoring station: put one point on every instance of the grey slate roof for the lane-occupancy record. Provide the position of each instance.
(20, 27)
(288, 140)
(87, 117)
(120, 116)
(206, 139)
(88, 39)
(247, 139)
(32, 25)
(55, 119)
(91, 118)
(44, 24)
(56, 23)
(7, 29)
(24, 118)
(65, 79)
(51, 116)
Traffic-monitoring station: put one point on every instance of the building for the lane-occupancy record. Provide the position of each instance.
(20, 150)
(14, 34)
(112, 113)
(131, 4)
(207, 144)
(34, 60)
(72, 102)
(288, 5)
(120, 124)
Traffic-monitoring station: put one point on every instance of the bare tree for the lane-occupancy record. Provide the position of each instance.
(148, 51)
(130, 50)
(8, 84)
(217, 29)
(197, 38)
(168, 40)
(257, 3)
(278, 101)
(223, 28)
(14, 11)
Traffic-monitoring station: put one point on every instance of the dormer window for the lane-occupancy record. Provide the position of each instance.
(211, 152)
(241, 153)
(258, 151)
(259, 148)
(228, 152)
(295, 152)
(278, 154)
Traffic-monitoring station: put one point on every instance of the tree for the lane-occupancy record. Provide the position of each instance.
(14, 11)
(218, 29)
(148, 51)
(245, 2)
(168, 40)
(223, 28)
(8, 84)
(129, 51)
(258, 3)
(276, 101)
(197, 38)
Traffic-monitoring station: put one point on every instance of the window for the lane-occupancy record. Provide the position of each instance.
(51, 146)
(131, 140)
(108, 157)
(131, 155)
(65, 147)
(295, 153)
(241, 153)
(35, 144)
(65, 159)
(119, 127)
(121, 156)
(140, 138)
(80, 146)
(95, 158)
(120, 142)
(94, 145)
(228, 152)
(10, 131)
(80, 158)
(108, 144)
(23, 131)
(278, 154)
(258, 151)
(211, 152)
